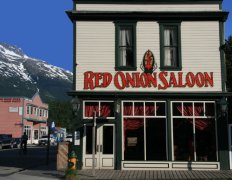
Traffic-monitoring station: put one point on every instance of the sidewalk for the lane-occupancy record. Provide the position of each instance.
(164, 175)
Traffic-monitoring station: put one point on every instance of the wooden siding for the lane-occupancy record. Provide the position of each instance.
(147, 7)
(95, 51)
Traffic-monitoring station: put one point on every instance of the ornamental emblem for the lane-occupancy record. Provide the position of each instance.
(148, 64)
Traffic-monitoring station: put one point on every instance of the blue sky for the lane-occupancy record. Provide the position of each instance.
(43, 30)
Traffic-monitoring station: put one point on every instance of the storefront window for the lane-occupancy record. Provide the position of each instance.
(43, 131)
(27, 129)
(138, 109)
(183, 139)
(156, 139)
(144, 125)
(205, 140)
(194, 131)
(150, 108)
(134, 139)
(127, 109)
(103, 109)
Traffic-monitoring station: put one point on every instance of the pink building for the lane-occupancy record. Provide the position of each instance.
(19, 114)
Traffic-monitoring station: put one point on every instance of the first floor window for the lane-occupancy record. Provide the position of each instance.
(103, 109)
(43, 131)
(27, 129)
(194, 131)
(144, 129)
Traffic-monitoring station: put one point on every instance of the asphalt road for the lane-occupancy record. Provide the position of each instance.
(16, 165)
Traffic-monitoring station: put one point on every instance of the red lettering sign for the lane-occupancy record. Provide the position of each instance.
(165, 80)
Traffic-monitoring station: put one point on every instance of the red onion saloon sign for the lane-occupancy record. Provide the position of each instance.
(161, 81)
(148, 78)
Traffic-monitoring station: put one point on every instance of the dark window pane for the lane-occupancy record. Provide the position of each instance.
(183, 139)
(138, 109)
(209, 109)
(177, 109)
(199, 109)
(188, 109)
(127, 108)
(108, 139)
(133, 139)
(205, 139)
(89, 140)
(160, 109)
(149, 108)
(231, 136)
(107, 109)
(90, 107)
(156, 139)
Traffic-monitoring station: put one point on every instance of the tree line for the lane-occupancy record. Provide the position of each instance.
(227, 48)
(61, 113)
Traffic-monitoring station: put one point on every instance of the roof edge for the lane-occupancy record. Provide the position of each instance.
(148, 1)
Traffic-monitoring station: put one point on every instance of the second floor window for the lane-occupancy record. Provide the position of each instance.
(170, 46)
(125, 48)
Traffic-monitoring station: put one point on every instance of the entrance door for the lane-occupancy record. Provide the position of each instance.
(104, 151)
(230, 139)
(35, 136)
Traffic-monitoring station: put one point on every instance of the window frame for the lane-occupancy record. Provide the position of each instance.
(194, 117)
(144, 117)
(99, 106)
(162, 26)
(118, 26)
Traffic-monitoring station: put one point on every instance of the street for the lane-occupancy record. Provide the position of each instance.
(16, 165)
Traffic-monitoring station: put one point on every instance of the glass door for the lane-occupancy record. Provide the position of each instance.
(104, 150)
(36, 136)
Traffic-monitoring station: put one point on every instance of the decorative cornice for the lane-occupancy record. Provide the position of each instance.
(148, 1)
(148, 16)
(125, 94)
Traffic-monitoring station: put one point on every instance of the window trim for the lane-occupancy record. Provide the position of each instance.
(195, 117)
(179, 55)
(99, 105)
(131, 24)
(144, 120)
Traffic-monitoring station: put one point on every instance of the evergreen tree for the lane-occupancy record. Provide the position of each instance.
(227, 47)
(61, 113)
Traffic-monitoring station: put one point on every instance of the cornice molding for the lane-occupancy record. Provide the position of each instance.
(148, 1)
(124, 94)
(148, 16)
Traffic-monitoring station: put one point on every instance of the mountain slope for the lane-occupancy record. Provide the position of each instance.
(21, 75)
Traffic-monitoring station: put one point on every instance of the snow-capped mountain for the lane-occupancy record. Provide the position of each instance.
(21, 75)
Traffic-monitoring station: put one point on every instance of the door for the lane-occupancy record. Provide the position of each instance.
(105, 149)
(35, 136)
(230, 143)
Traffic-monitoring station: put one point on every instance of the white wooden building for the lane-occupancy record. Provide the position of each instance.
(154, 73)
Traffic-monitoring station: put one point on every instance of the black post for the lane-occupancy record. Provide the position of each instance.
(48, 145)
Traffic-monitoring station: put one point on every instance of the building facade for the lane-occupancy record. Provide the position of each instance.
(154, 73)
(21, 114)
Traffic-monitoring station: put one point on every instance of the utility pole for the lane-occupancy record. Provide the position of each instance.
(93, 143)
(48, 145)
